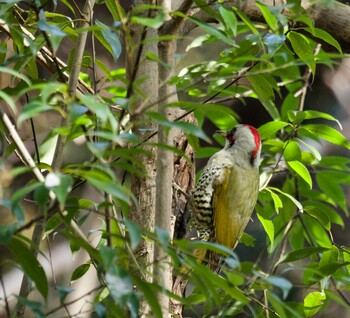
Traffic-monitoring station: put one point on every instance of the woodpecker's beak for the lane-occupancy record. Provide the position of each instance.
(223, 133)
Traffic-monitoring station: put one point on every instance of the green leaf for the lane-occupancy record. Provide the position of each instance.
(269, 229)
(271, 108)
(327, 133)
(313, 114)
(301, 171)
(32, 109)
(155, 22)
(276, 201)
(41, 196)
(324, 36)
(292, 151)
(79, 272)
(303, 49)
(110, 40)
(135, 233)
(274, 42)
(313, 150)
(210, 29)
(21, 193)
(9, 101)
(246, 21)
(221, 115)
(63, 292)
(188, 128)
(149, 295)
(335, 162)
(319, 215)
(328, 181)
(16, 74)
(269, 129)
(53, 31)
(313, 302)
(229, 19)
(30, 265)
(301, 254)
(114, 189)
(268, 16)
(280, 282)
(295, 201)
(261, 86)
(52, 224)
(296, 117)
(60, 184)
(247, 239)
(119, 285)
(332, 214)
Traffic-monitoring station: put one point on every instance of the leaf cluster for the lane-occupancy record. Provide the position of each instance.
(302, 199)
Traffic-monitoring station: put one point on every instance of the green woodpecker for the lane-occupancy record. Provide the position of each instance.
(226, 193)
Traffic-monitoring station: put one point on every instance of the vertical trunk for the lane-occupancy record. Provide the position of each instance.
(167, 94)
(143, 187)
(167, 205)
(157, 206)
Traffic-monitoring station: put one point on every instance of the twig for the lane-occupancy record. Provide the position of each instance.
(73, 79)
(7, 307)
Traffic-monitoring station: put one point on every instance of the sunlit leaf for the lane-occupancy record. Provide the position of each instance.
(270, 128)
(324, 36)
(270, 18)
(303, 49)
(229, 19)
(302, 171)
(269, 229)
(292, 151)
(313, 114)
(247, 239)
(155, 22)
(327, 133)
(313, 302)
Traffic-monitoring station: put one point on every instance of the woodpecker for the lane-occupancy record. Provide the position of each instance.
(227, 190)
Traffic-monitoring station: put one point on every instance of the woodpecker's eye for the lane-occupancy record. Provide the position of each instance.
(230, 138)
(232, 132)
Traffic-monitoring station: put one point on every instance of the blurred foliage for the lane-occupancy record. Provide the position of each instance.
(260, 61)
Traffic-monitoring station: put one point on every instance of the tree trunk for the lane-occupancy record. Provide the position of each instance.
(143, 187)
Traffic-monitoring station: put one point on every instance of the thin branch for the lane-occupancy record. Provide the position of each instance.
(30, 162)
(73, 79)
(35, 141)
(54, 310)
